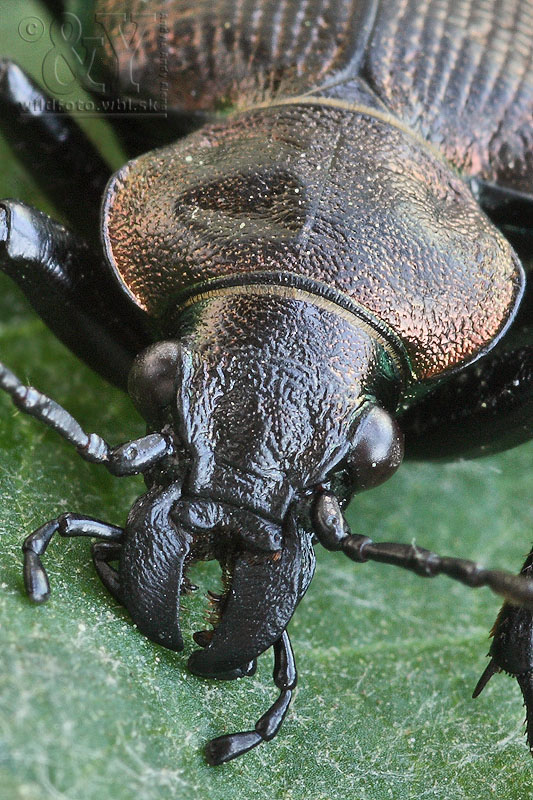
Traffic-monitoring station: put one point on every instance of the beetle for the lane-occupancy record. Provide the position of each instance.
(319, 270)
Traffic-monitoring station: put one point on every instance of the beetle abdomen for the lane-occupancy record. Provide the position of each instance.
(341, 198)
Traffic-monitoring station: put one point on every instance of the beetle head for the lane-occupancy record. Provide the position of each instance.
(268, 395)
(264, 414)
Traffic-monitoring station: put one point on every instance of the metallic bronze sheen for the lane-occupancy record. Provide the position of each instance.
(340, 197)
(359, 189)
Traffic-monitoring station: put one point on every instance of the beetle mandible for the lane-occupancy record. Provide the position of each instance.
(318, 269)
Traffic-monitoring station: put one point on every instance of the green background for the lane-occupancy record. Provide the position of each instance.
(90, 709)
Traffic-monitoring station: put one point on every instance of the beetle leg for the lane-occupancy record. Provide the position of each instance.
(225, 748)
(56, 270)
(63, 160)
(508, 208)
(35, 577)
(65, 163)
(103, 553)
(334, 533)
(130, 458)
(512, 651)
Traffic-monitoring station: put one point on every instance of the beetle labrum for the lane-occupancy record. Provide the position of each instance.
(289, 292)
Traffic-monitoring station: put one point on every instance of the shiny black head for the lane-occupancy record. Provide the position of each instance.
(271, 398)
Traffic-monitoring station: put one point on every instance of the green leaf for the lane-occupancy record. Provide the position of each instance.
(90, 709)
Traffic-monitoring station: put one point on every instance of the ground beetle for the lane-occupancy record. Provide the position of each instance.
(320, 266)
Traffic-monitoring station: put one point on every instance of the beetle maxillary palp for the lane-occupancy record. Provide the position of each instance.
(226, 748)
(35, 577)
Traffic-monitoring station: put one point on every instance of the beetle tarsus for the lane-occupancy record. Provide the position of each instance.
(226, 748)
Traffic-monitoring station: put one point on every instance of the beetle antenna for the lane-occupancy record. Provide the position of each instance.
(130, 458)
(333, 532)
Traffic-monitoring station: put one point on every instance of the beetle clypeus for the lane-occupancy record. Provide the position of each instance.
(289, 292)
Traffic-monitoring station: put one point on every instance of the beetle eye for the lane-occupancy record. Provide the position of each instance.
(152, 378)
(376, 451)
